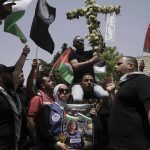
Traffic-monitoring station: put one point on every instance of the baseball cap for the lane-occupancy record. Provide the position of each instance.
(4, 68)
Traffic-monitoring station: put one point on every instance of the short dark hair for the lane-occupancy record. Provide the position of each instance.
(75, 39)
(39, 82)
(89, 74)
(6, 69)
(69, 124)
(133, 60)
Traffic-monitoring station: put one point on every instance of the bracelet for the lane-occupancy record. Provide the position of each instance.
(23, 53)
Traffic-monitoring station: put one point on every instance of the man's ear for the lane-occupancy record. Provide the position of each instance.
(130, 66)
(43, 86)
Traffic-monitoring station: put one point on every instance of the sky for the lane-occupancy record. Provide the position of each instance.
(131, 28)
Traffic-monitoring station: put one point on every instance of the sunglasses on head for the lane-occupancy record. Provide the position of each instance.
(61, 90)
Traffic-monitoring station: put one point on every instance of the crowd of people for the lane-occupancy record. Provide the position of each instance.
(32, 120)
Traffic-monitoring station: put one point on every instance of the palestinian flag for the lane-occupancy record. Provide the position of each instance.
(18, 11)
(63, 66)
(147, 41)
(44, 16)
(99, 71)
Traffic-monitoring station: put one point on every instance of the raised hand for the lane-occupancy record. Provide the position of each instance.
(94, 59)
(26, 50)
(110, 84)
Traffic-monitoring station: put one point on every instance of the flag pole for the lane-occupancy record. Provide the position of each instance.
(35, 75)
(36, 52)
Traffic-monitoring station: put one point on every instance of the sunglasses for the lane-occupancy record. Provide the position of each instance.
(64, 90)
(79, 40)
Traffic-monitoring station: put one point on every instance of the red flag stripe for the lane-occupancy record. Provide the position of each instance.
(62, 59)
(147, 41)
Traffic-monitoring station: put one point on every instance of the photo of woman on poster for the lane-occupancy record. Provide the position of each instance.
(74, 136)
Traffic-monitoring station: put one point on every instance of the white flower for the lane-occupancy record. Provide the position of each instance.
(90, 11)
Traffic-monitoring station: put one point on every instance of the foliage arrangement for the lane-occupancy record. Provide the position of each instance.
(90, 12)
(111, 56)
(94, 37)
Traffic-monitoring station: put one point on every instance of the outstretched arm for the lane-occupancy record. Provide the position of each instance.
(31, 77)
(19, 65)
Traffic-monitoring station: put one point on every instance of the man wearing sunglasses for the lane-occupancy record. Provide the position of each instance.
(82, 62)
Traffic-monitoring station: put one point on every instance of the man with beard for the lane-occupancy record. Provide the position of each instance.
(45, 88)
(130, 113)
(87, 84)
(82, 62)
(10, 104)
(100, 119)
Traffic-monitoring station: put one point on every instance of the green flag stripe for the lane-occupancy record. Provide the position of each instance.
(11, 26)
(66, 73)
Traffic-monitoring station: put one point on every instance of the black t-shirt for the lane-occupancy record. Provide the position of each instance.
(129, 126)
(7, 130)
(81, 57)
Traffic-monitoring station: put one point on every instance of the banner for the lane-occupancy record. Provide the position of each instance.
(110, 26)
(78, 126)
(147, 41)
